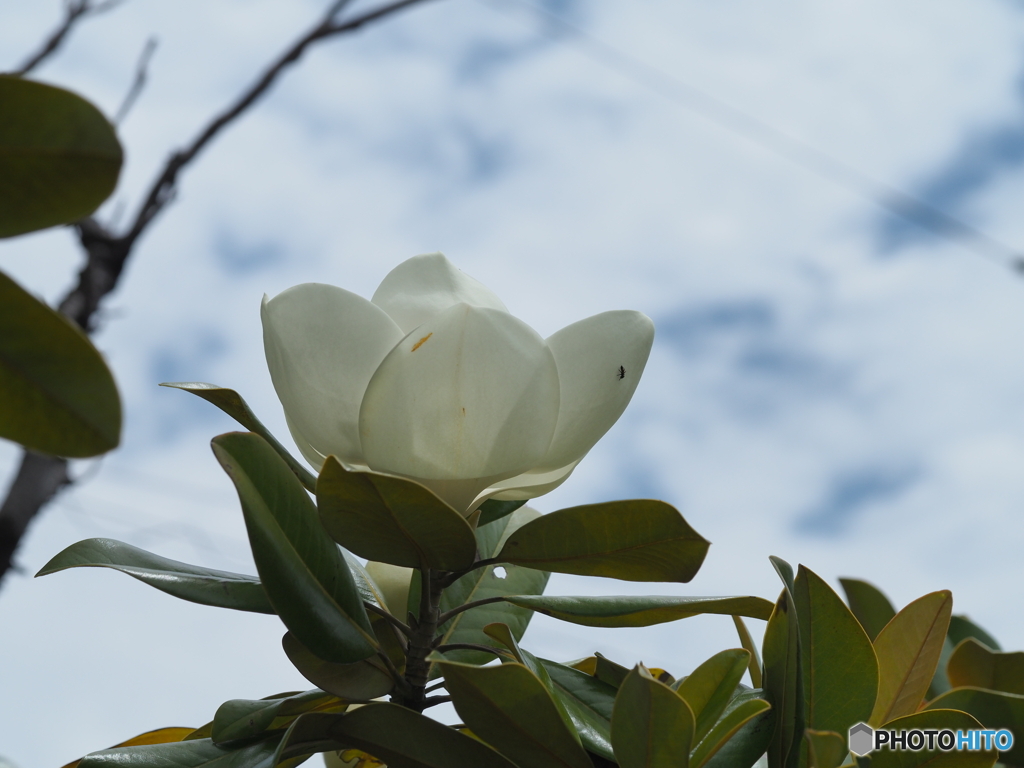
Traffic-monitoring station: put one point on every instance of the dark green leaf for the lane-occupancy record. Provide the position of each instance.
(974, 664)
(246, 719)
(188, 582)
(935, 720)
(609, 672)
(589, 702)
(492, 510)
(508, 707)
(908, 651)
(783, 682)
(197, 753)
(360, 681)
(710, 687)
(59, 156)
(392, 520)
(304, 574)
(728, 746)
(993, 709)
(871, 607)
(234, 406)
(58, 395)
(405, 739)
(485, 583)
(640, 611)
(838, 665)
(636, 540)
(652, 726)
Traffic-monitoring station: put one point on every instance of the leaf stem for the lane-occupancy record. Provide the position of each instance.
(474, 647)
(445, 617)
(402, 627)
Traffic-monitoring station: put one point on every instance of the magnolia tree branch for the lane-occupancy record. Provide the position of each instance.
(74, 11)
(106, 251)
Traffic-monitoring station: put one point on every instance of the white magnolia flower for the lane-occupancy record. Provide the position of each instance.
(434, 380)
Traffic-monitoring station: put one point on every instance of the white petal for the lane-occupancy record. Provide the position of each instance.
(528, 485)
(469, 399)
(323, 345)
(425, 286)
(600, 360)
(393, 581)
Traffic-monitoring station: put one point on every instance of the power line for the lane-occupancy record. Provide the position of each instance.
(795, 150)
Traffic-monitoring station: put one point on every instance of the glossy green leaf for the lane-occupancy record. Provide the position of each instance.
(488, 582)
(710, 688)
(652, 726)
(783, 682)
(754, 667)
(960, 628)
(157, 736)
(825, 749)
(635, 540)
(973, 663)
(741, 733)
(197, 753)
(993, 709)
(232, 403)
(589, 702)
(58, 395)
(188, 582)
(392, 520)
(403, 739)
(492, 510)
(839, 670)
(609, 671)
(908, 651)
(935, 720)
(303, 572)
(59, 156)
(245, 719)
(740, 747)
(359, 681)
(871, 607)
(503, 635)
(640, 611)
(508, 707)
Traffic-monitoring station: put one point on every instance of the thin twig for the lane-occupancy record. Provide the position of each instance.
(434, 687)
(400, 682)
(401, 626)
(74, 11)
(433, 701)
(162, 190)
(448, 615)
(138, 82)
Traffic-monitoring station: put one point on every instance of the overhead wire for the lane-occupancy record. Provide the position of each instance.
(761, 133)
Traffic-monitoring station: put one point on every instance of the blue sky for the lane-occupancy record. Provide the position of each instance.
(828, 384)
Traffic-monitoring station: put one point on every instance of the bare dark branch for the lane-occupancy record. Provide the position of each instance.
(448, 615)
(74, 11)
(404, 628)
(474, 647)
(138, 82)
(433, 701)
(39, 478)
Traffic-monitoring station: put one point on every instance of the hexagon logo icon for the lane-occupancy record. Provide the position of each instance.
(861, 739)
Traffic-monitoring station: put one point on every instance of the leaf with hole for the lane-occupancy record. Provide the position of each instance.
(58, 395)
